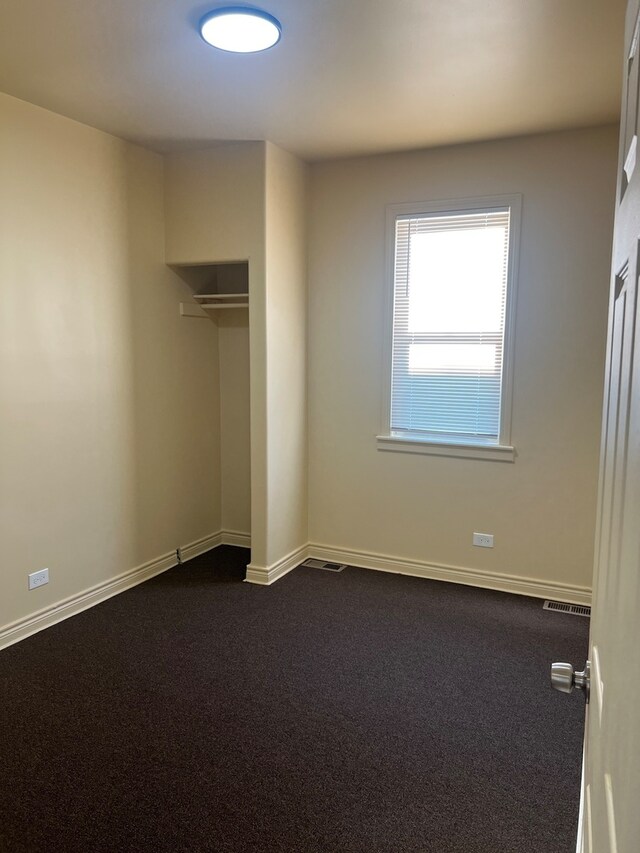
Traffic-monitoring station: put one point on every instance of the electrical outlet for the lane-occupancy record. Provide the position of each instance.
(483, 540)
(37, 579)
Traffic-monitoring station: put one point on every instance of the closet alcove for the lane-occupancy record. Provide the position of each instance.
(221, 294)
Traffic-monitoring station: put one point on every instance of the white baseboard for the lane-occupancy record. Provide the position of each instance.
(453, 574)
(514, 584)
(22, 628)
(266, 575)
(200, 546)
(222, 537)
(237, 538)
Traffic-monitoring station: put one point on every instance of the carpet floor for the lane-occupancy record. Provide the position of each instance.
(349, 712)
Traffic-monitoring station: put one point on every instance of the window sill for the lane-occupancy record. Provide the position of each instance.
(406, 444)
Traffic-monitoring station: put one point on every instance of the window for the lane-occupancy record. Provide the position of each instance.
(452, 267)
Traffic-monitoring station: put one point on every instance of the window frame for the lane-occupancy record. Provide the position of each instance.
(502, 450)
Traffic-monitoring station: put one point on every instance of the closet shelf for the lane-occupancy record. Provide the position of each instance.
(221, 296)
(218, 301)
(214, 286)
(218, 306)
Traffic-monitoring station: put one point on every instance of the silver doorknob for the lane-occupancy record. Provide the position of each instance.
(564, 678)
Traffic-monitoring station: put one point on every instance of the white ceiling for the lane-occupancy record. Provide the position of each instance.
(348, 77)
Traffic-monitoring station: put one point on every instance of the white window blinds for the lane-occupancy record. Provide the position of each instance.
(450, 291)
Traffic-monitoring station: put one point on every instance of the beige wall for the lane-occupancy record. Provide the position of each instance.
(235, 420)
(214, 204)
(286, 337)
(109, 454)
(541, 509)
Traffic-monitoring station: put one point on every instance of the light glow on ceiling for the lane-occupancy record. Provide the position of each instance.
(240, 29)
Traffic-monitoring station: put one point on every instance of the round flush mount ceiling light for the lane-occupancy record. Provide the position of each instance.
(240, 29)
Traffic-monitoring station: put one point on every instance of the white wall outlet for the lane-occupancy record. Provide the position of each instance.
(37, 579)
(483, 540)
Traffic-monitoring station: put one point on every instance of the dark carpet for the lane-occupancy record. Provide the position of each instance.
(358, 711)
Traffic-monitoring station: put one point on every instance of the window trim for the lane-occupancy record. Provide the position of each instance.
(502, 450)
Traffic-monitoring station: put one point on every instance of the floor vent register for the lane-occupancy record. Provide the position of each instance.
(562, 607)
(326, 567)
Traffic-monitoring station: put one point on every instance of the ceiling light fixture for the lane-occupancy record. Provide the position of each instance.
(240, 29)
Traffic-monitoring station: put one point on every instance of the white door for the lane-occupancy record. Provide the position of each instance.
(610, 821)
